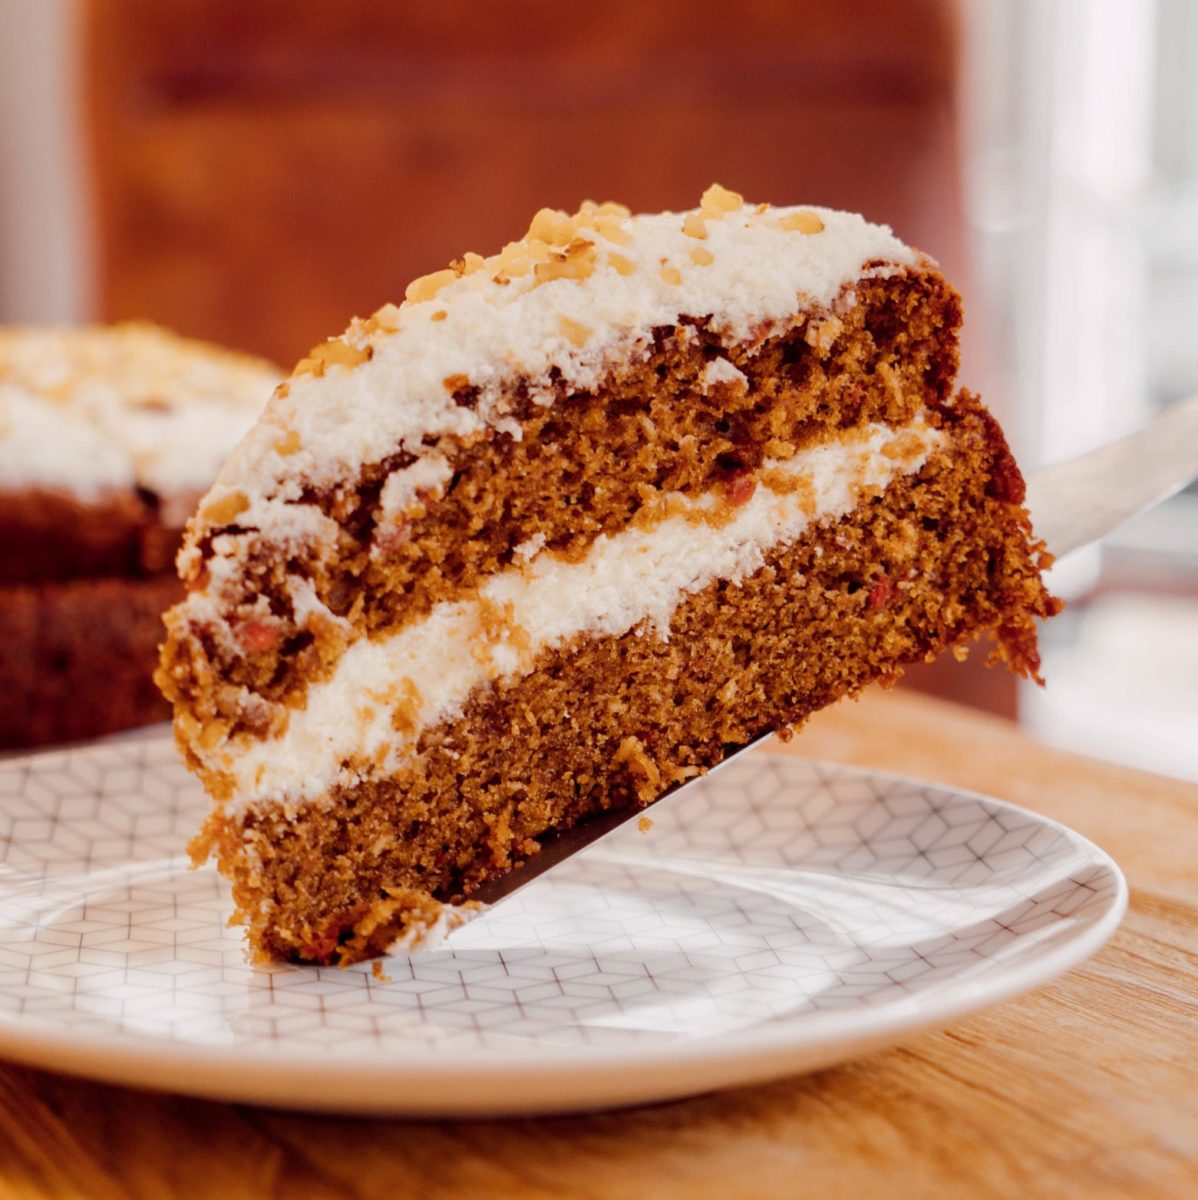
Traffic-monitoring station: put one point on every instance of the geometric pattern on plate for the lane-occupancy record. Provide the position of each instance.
(776, 890)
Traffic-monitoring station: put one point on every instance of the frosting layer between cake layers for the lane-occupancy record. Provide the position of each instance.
(366, 717)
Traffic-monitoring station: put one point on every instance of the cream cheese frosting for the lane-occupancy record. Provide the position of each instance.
(631, 580)
(557, 310)
(86, 409)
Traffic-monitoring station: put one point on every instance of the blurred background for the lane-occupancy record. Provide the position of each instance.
(258, 174)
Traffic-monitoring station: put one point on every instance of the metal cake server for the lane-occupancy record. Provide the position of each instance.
(1072, 504)
(1078, 501)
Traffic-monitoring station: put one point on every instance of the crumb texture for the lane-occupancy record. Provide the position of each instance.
(361, 674)
(266, 620)
(937, 560)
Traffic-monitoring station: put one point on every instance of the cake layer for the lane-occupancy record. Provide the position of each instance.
(381, 550)
(615, 719)
(77, 657)
(385, 691)
(52, 534)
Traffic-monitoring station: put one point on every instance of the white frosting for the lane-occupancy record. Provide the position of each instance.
(95, 408)
(529, 549)
(426, 477)
(633, 579)
(42, 445)
(720, 370)
(489, 333)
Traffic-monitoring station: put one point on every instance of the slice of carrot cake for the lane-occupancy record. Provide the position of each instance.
(562, 530)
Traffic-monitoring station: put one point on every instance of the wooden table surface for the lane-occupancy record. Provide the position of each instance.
(1088, 1087)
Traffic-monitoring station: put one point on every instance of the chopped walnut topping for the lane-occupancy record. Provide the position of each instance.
(225, 509)
(427, 286)
(802, 222)
(509, 254)
(610, 229)
(719, 200)
(516, 259)
(552, 226)
(289, 443)
(386, 320)
(558, 245)
(576, 333)
(577, 261)
(335, 352)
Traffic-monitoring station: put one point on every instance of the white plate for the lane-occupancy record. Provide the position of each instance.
(782, 916)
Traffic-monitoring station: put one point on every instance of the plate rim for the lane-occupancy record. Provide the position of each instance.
(432, 1082)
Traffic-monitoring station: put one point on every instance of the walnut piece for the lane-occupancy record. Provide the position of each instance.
(576, 333)
(717, 201)
(427, 286)
(289, 443)
(801, 222)
(552, 226)
(225, 509)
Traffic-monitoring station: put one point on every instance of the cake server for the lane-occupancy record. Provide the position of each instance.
(1072, 504)
(1078, 501)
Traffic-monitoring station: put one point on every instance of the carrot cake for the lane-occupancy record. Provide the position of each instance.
(108, 437)
(561, 531)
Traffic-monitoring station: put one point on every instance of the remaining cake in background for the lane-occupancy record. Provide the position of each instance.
(563, 529)
(108, 437)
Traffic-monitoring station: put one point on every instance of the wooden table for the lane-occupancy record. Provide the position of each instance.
(1087, 1088)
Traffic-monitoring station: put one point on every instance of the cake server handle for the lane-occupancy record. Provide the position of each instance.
(1076, 502)
(1072, 504)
